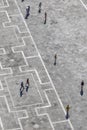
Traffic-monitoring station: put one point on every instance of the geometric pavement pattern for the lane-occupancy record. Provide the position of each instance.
(41, 108)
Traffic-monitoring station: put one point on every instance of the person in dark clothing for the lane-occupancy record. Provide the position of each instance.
(40, 4)
(55, 58)
(45, 18)
(27, 85)
(82, 84)
(21, 92)
(22, 86)
(27, 12)
(67, 111)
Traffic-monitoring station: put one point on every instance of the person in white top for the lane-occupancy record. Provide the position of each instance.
(27, 85)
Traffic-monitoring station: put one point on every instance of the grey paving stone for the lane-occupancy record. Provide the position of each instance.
(28, 49)
(36, 63)
(61, 126)
(12, 8)
(41, 122)
(55, 111)
(9, 120)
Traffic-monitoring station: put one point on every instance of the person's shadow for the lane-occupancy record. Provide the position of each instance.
(54, 63)
(81, 92)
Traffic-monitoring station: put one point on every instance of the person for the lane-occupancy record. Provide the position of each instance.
(22, 0)
(55, 57)
(27, 85)
(67, 111)
(21, 92)
(82, 84)
(45, 18)
(81, 92)
(27, 12)
(40, 4)
(22, 86)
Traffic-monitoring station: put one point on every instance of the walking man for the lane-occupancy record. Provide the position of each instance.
(45, 18)
(67, 111)
(27, 12)
(22, 86)
(27, 85)
(82, 84)
(40, 4)
(21, 89)
(55, 58)
(21, 92)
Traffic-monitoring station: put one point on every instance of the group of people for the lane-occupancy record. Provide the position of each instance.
(39, 11)
(81, 91)
(55, 59)
(26, 87)
(68, 107)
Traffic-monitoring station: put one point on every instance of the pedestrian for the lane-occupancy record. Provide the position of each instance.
(27, 85)
(21, 93)
(28, 81)
(22, 86)
(40, 4)
(82, 84)
(45, 20)
(67, 111)
(27, 12)
(22, 0)
(55, 58)
(81, 92)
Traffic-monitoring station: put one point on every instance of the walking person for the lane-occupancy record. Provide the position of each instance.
(27, 85)
(55, 58)
(22, 86)
(45, 20)
(40, 4)
(27, 12)
(21, 89)
(82, 84)
(21, 92)
(67, 111)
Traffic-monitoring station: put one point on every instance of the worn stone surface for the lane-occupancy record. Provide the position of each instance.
(27, 49)
(65, 34)
(40, 108)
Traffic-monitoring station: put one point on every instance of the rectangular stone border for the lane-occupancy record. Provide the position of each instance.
(5, 78)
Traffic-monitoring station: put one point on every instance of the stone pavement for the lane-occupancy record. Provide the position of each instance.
(65, 34)
(40, 108)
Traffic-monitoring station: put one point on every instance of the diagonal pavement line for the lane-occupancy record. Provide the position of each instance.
(1, 124)
(43, 63)
(62, 121)
(83, 4)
